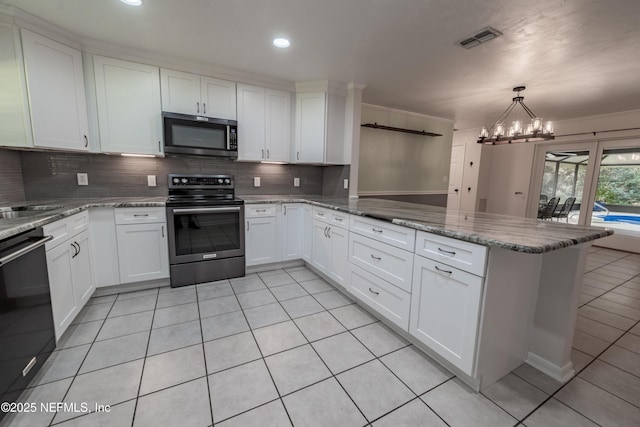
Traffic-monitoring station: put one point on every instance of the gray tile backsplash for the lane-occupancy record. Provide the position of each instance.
(53, 175)
(333, 181)
(11, 186)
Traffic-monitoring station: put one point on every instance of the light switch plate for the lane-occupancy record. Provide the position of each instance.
(151, 180)
(83, 178)
(346, 183)
(296, 182)
(445, 178)
(256, 181)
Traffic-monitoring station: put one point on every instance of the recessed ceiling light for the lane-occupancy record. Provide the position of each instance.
(281, 42)
(132, 2)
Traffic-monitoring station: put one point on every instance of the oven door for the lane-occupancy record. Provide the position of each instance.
(205, 233)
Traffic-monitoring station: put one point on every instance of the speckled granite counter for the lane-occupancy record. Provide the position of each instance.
(513, 233)
(43, 212)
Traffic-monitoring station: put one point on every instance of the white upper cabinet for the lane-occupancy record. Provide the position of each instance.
(264, 122)
(128, 104)
(55, 85)
(320, 123)
(218, 98)
(188, 93)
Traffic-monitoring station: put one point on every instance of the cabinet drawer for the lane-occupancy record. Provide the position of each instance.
(257, 211)
(385, 261)
(65, 228)
(384, 298)
(330, 216)
(456, 253)
(396, 235)
(140, 215)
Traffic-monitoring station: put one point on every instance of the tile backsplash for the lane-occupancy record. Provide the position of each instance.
(11, 185)
(53, 175)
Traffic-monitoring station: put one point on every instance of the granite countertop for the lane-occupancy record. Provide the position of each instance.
(42, 212)
(508, 232)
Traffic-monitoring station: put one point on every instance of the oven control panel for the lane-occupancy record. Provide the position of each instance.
(201, 181)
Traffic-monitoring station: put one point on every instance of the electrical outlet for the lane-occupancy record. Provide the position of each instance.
(256, 181)
(151, 180)
(296, 182)
(346, 183)
(83, 178)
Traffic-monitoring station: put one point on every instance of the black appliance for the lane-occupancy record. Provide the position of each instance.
(206, 233)
(186, 134)
(26, 320)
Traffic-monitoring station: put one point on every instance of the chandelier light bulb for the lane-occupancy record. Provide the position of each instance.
(536, 124)
(499, 130)
(548, 128)
(529, 130)
(484, 133)
(517, 127)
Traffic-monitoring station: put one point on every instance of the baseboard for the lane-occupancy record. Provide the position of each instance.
(131, 287)
(559, 373)
(273, 266)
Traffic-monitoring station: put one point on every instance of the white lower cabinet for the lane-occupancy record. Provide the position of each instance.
(69, 268)
(261, 234)
(330, 251)
(143, 253)
(307, 247)
(386, 299)
(292, 231)
(445, 311)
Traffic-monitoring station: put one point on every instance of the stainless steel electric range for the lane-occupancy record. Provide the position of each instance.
(206, 233)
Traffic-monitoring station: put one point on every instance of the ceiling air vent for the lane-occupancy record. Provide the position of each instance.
(482, 36)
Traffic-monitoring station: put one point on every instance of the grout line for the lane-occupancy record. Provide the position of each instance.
(135, 409)
(204, 355)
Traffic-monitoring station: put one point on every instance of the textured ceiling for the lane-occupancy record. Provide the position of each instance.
(577, 57)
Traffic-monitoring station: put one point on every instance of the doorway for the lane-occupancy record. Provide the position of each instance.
(601, 180)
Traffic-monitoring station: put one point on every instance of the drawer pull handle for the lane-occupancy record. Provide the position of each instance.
(140, 215)
(443, 271)
(375, 230)
(446, 252)
(377, 258)
(338, 219)
(374, 292)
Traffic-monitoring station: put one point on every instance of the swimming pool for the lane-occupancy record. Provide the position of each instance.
(629, 219)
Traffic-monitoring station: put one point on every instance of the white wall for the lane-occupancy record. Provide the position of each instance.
(401, 163)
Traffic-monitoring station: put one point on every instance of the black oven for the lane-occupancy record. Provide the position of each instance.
(206, 233)
(199, 135)
(27, 335)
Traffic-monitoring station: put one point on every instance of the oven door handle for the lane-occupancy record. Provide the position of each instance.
(23, 251)
(205, 210)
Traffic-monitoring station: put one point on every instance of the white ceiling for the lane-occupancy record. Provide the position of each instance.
(576, 57)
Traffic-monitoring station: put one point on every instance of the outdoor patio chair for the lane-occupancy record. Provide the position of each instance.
(565, 209)
(549, 209)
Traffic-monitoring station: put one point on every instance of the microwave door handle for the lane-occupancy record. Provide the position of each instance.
(205, 210)
(228, 137)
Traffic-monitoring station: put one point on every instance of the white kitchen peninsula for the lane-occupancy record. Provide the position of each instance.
(488, 292)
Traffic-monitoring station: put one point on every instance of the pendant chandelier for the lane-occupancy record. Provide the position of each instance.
(499, 133)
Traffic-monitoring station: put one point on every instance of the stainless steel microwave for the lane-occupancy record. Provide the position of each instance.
(205, 136)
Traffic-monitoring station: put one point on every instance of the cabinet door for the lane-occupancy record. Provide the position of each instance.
(143, 253)
(218, 98)
(445, 311)
(63, 299)
(310, 127)
(321, 247)
(261, 241)
(278, 125)
(57, 100)
(251, 123)
(339, 241)
(83, 286)
(292, 231)
(129, 115)
(180, 92)
(308, 233)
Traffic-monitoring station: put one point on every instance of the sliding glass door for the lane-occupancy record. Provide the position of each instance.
(600, 181)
